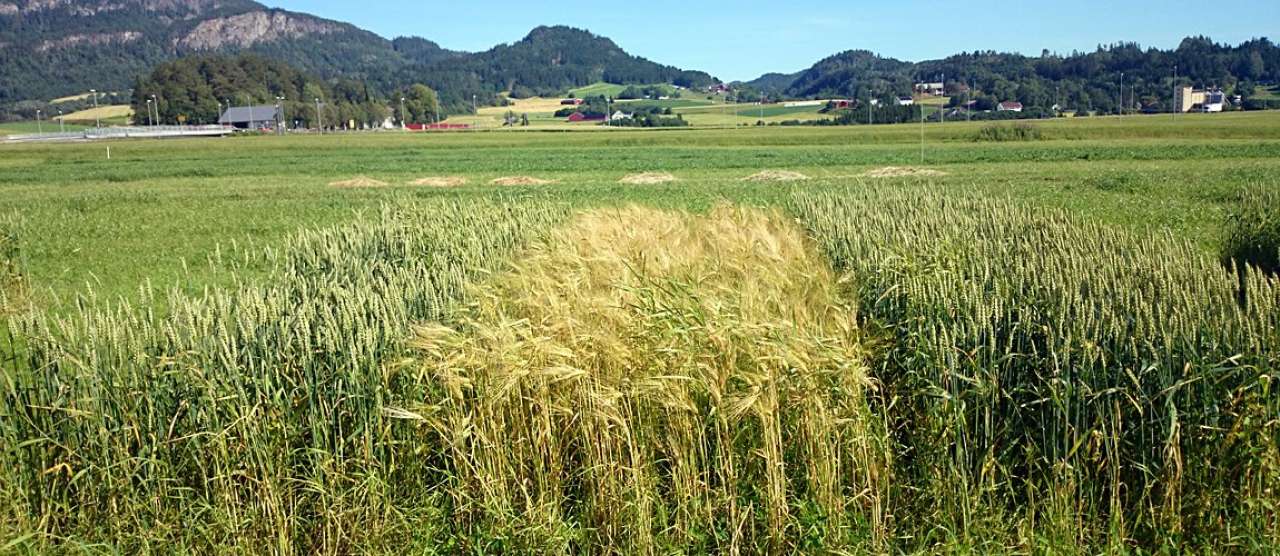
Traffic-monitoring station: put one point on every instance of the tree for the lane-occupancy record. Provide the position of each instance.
(421, 103)
(1257, 68)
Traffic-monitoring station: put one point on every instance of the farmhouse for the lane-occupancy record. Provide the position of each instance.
(935, 89)
(1200, 100)
(719, 89)
(1009, 106)
(906, 101)
(250, 117)
(620, 115)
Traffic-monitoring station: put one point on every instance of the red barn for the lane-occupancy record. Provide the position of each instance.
(580, 117)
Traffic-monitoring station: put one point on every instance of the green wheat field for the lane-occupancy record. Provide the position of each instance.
(756, 340)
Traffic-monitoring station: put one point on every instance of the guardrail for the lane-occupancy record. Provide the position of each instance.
(96, 134)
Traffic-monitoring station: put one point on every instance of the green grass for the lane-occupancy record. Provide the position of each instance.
(18, 128)
(159, 207)
(1055, 358)
(597, 89)
(1267, 93)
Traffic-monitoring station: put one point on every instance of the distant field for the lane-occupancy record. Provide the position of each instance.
(606, 89)
(930, 100)
(183, 198)
(116, 113)
(70, 98)
(17, 128)
(1267, 93)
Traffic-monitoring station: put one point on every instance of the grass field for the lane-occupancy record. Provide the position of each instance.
(1031, 348)
(116, 114)
(17, 128)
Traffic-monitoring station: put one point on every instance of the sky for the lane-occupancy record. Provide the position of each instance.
(742, 39)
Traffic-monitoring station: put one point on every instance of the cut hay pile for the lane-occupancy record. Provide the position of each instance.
(440, 181)
(358, 182)
(776, 175)
(901, 172)
(520, 180)
(648, 178)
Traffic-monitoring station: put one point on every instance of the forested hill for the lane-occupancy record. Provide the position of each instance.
(1085, 80)
(53, 48)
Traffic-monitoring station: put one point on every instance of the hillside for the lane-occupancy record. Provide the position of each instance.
(1085, 80)
(54, 48)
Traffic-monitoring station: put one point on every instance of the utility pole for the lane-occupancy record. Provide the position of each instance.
(921, 134)
(39, 126)
(870, 98)
(942, 112)
(156, 102)
(97, 120)
(150, 122)
(403, 122)
(319, 116)
(1175, 106)
(62, 124)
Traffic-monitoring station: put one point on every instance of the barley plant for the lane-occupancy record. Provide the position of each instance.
(653, 382)
(1062, 386)
(250, 419)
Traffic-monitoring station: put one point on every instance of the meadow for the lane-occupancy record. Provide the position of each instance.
(974, 346)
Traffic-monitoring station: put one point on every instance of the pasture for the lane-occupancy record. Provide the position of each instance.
(960, 346)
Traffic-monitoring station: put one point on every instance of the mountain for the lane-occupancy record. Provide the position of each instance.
(53, 48)
(58, 47)
(771, 83)
(1081, 80)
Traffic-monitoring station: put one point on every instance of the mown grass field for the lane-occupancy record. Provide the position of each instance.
(1032, 348)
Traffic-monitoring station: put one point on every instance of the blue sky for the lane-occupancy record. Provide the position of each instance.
(742, 39)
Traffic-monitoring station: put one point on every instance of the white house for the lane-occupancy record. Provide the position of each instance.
(1009, 106)
(620, 115)
(906, 101)
(935, 89)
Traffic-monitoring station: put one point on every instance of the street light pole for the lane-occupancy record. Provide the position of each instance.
(62, 124)
(402, 120)
(1122, 93)
(39, 126)
(150, 123)
(97, 120)
(156, 102)
(284, 125)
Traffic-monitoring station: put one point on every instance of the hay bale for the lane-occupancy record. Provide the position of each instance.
(520, 180)
(358, 182)
(776, 175)
(901, 172)
(648, 178)
(440, 181)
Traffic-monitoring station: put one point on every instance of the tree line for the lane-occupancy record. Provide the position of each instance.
(1088, 81)
(197, 90)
